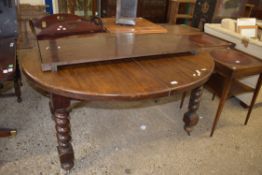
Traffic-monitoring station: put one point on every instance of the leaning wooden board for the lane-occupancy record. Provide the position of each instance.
(142, 26)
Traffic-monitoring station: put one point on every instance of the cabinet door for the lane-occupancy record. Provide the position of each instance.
(154, 10)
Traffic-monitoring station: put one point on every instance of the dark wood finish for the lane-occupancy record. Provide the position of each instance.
(256, 92)
(61, 25)
(153, 10)
(230, 66)
(58, 52)
(63, 131)
(88, 74)
(9, 68)
(68, 51)
(130, 79)
(125, 80)
(257, 10)
(191, 117)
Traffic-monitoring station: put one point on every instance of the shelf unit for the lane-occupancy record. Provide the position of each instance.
(175, 8)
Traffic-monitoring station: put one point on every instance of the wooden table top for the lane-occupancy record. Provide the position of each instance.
(71, 50)
(130, 79)
(122, 80)
(230, 61)
(106, 46)
(7, 58)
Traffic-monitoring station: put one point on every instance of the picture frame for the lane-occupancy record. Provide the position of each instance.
(228, 9)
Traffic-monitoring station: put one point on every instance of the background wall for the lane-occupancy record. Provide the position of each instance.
(33, 2)
(40, 2)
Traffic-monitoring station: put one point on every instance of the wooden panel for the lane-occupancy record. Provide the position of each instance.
(181, 29)
(123, 80)
(237, 62)
(7, 58)
(168, 69)
(142, 26)
(87, 48)
(109, 80)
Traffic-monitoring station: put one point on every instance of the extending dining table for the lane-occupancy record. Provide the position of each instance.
(135, 78)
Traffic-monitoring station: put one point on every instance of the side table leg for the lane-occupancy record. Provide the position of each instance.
(182, 99)
(191, 117)
(63, 131)
(258, 86)
(226, 90)
(17, 90)
(17, 82)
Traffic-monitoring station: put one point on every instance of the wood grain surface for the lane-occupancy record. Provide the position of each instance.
(105, 46)
(122, 80)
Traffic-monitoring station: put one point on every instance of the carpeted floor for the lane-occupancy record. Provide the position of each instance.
(138, 138)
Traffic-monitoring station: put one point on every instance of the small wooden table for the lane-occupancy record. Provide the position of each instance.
(231, 65)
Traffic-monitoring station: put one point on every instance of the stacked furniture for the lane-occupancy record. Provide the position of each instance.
(27, 12)
(9, 68)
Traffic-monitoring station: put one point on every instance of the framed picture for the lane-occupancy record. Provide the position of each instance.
(229, 9)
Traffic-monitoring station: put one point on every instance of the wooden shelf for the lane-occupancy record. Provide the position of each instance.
(216, 83)
(176, 10)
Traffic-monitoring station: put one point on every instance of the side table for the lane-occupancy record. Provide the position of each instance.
(230, 65)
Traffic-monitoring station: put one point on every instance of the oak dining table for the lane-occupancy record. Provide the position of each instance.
(130, 79)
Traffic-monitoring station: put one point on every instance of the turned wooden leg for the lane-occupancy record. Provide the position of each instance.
(191, 117)
(63, 131)
(226, 90)
(258, 86)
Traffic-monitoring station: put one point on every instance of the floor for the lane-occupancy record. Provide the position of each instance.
(137, 138)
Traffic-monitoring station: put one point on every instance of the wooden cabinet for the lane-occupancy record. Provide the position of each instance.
(108, 8)
(153, 10)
